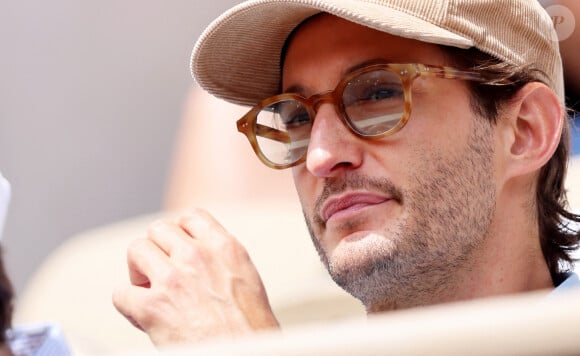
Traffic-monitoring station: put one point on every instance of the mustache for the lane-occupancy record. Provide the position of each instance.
(337, 185)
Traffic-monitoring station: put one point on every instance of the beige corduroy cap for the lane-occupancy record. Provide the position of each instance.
(237, 57)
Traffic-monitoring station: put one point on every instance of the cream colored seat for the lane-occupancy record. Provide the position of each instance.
(523, 324)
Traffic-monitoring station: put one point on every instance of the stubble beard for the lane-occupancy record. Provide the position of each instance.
(416, 261)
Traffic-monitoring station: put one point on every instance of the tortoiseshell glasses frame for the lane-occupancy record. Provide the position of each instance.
(369, 91)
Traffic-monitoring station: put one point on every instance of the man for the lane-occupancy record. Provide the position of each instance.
(428, 143)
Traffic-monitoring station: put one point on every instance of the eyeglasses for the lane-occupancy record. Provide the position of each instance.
(373, 102)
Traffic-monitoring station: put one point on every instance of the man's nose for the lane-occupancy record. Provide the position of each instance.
(333, 147)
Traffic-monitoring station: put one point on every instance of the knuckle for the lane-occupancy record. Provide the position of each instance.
(156, 227)
(196, 211)
(231, 249)
(192, 254)
(134, 249)
(170, 278)
(226, 245)
(151, 309)
(193, 214)
(176, 278)
(117, 298)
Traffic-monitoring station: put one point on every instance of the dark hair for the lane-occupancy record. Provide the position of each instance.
(6, 296)
(557, 236)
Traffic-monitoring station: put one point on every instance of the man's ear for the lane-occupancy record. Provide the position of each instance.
(532, 128)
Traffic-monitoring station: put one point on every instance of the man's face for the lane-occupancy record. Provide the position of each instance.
(396, 220)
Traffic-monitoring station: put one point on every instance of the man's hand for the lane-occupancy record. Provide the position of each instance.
(191, 280)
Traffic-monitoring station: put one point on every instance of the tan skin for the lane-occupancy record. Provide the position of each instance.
(191, 280)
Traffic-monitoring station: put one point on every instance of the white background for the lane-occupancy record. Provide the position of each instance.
(91, 94)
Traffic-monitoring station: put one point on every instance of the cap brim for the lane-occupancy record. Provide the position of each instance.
(237, 58)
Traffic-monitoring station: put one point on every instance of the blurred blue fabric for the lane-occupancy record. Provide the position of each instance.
(44, 339)
(576, 135)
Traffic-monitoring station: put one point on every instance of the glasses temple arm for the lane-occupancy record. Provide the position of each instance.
(450, 73)
(272, 134)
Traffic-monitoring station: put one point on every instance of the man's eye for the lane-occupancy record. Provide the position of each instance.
(381, 93)
(297, 119)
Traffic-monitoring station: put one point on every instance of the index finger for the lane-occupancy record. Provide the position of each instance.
(202, 225)
(169, 237)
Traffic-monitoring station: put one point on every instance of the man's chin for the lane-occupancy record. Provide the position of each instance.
(360, 250)
(360, 241)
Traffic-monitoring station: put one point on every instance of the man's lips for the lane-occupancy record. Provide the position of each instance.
(352, 200)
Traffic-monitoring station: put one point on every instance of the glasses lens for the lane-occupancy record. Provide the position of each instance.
(283, 131)
(374, 102)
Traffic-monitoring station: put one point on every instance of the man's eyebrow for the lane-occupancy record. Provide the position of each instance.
(365, 64)
(300, 89)
(294, 89)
